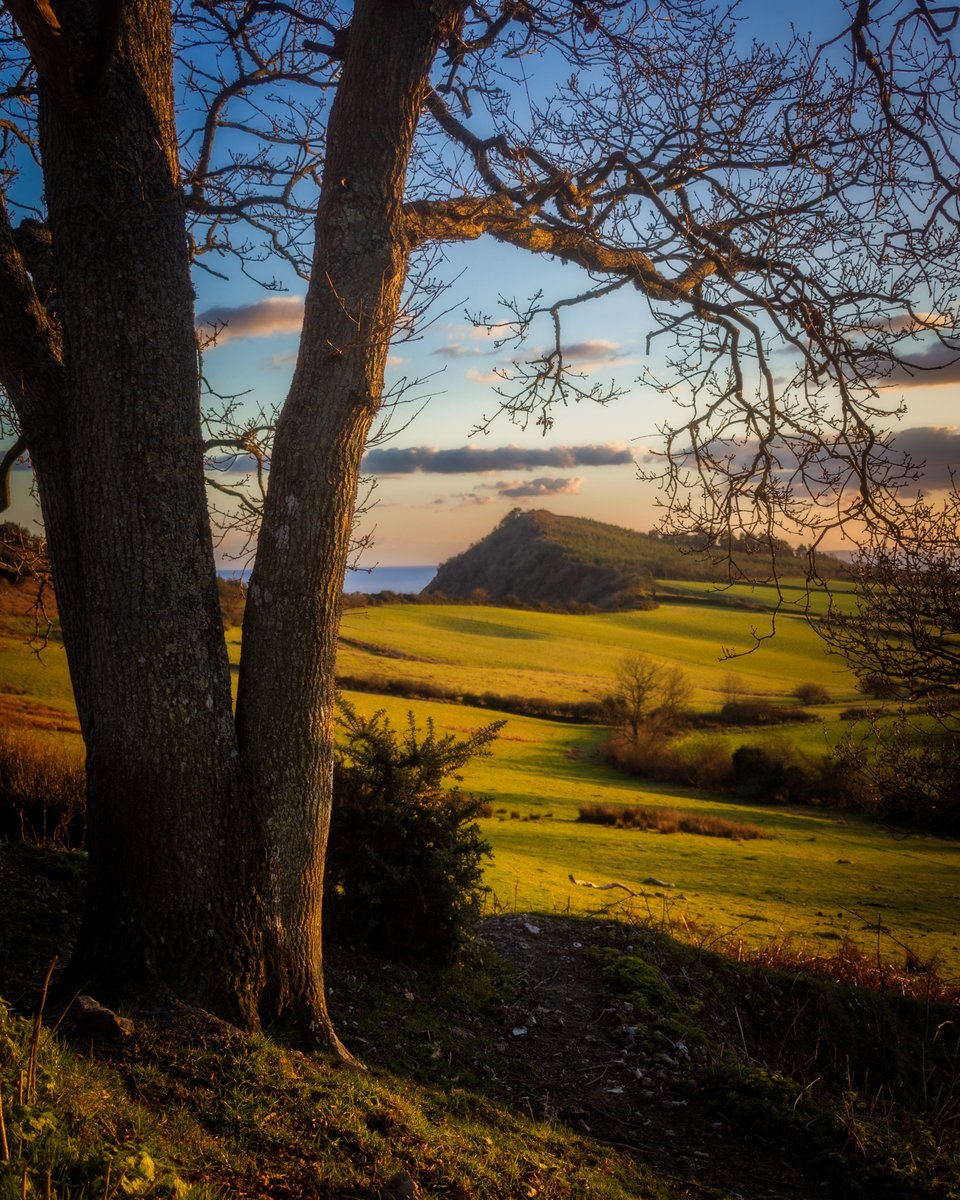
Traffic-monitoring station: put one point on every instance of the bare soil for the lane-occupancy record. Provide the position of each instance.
(570, 1053)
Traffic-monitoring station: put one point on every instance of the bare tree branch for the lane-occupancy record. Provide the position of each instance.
(6, 466)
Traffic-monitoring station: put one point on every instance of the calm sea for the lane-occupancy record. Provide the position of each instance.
(377, 579)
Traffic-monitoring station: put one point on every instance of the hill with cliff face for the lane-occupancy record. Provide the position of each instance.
(537, 559)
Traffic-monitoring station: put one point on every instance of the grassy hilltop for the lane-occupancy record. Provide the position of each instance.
(537, 559)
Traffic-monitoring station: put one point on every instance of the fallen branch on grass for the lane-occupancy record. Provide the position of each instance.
(605, 887)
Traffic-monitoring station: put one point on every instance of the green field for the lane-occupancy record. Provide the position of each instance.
(823, 876)
(512, 651)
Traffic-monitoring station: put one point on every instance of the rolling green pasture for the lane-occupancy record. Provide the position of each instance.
(789, 596)
(822, 876)
(558, 655)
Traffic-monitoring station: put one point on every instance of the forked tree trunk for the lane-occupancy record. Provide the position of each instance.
(206, 835)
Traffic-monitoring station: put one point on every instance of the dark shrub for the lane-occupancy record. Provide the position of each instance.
(404, 866)
(781, 775)
(905, 771)
(811, 693)
(760, 712)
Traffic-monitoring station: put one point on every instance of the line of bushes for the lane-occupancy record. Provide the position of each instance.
(762, 774)
(583, 712)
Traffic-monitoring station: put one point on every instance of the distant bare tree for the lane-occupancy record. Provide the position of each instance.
(902, 636)
(647, 692)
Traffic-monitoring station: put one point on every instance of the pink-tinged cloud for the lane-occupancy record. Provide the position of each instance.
(459, 350)
(596, 350)
(466, 500)
(484, 377)
(275, 314)
(537, 488)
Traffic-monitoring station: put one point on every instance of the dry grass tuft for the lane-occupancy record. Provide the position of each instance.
(42, 789)
(668, 820)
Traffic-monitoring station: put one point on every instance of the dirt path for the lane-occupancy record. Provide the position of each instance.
(570, 1053)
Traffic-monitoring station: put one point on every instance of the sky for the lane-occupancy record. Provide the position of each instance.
(443, 484)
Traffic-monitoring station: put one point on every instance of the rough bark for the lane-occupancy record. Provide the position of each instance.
(285, 718)
(130, 513)
(206, 836)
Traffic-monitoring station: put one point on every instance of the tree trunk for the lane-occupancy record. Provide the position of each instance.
(141, 614)
(285, 703)
(206, 835)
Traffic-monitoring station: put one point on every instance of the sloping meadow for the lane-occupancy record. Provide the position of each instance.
(819, 874)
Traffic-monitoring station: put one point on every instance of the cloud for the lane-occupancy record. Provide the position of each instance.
(586, 356)
(470, 460)
(595, 355)
(937, 447)
(932, 367)
(277, 362)
(563, 486)
(476, 376)
(468, 500)
(597, 350)
(484, 341)
(904, 322)
(459, 350)
(276, 314)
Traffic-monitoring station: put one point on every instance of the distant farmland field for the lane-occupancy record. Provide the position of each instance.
(823, 875)
(558, 655)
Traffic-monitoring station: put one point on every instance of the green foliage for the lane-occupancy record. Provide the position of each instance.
(777, 774)
(640, 982)
(70, 1130)
(761, 712)
(404, 866)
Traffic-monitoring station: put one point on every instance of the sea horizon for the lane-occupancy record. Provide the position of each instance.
(406, 580)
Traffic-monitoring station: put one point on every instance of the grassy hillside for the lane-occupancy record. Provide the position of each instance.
(574, 657)
(823, 877)
(542, 560)
(586, 1058)
(560, 1059)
